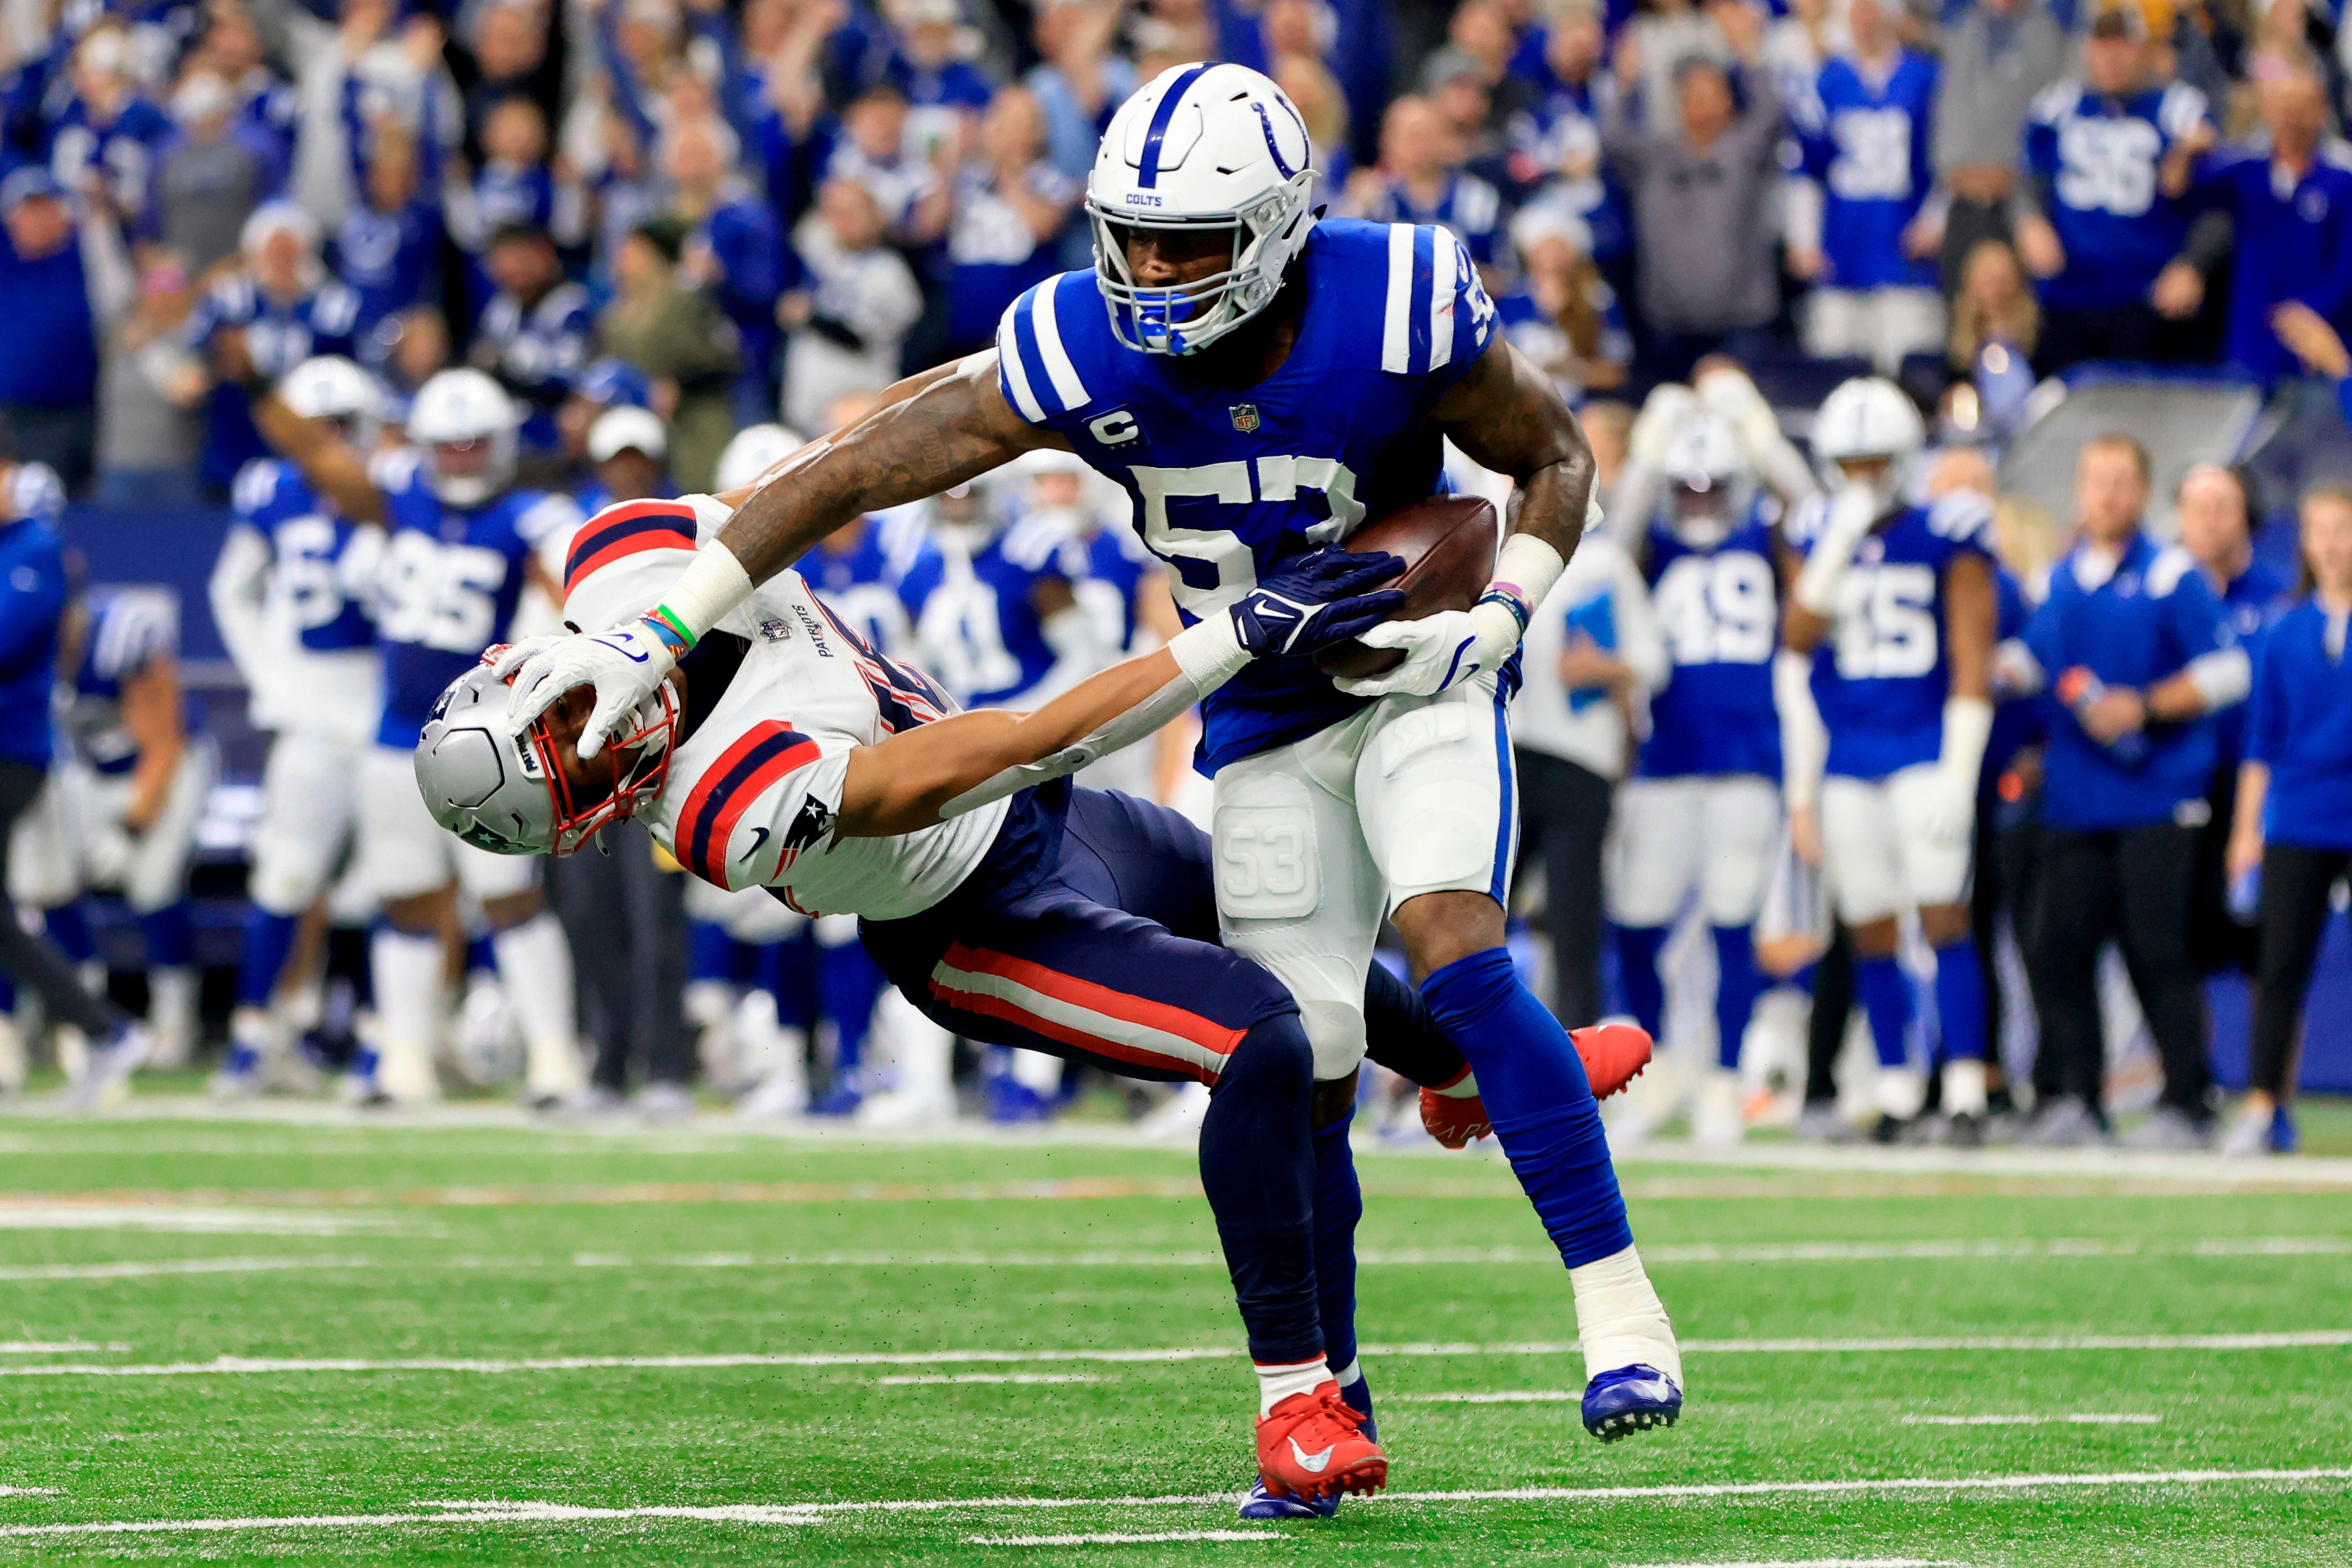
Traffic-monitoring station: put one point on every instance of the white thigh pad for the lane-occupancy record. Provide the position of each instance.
(1654, 850)
(1437, 792)
(1934, 870)
(403, 851)
(1740, 827)
(1860, 850)
(1269, 864)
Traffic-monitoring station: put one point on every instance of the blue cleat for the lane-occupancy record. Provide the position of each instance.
(1629, 1400)
(2284, 1138)
(1263, 1504)
(1012, 1102)
(841, 1100)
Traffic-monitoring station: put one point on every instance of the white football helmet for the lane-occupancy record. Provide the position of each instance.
(755, 449)
(331, 387)
(1869, 419)
(1709, 481)
(507, 794)
(34, 490)
(454, 413)
(1202, 147)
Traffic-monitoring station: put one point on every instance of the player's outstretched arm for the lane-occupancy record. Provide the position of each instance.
(951, 427)
(938, 770)
(1507, 414)
(313, 445)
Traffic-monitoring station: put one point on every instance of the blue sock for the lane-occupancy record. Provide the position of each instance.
(268, 938)
(1960, 1000)
(1259, 1175)
(1736, 986)
(7, 990)
(1637, 974)
(850, 983)
(171, 939)
(1538, 1099)
(69, 927)
(710, 951)
(1339, 1204)
(1887, 998)
(482, 954)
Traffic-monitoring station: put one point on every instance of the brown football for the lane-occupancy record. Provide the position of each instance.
(1448, 545)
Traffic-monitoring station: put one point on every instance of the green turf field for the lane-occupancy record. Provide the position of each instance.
(488, 1303)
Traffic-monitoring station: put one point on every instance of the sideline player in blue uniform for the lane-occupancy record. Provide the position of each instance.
(1701, 813)
(458, 548)
(289, 594)
(1891, 625)
(1260, 383)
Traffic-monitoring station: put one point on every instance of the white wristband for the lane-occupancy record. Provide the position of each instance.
(713, 584)
(1967, 729)
(1527, 567)
(1852, 510)
(1210, 654)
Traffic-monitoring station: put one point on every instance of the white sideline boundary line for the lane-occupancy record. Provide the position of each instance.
(1692, 1253)
(229, 1365)
(1509, 1397)
(1817, 1562)
(2075, 1418)
(1019, 1377)
(476, 1513)
(1152, 1537)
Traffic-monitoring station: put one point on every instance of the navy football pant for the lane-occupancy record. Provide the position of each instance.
(1113, 960)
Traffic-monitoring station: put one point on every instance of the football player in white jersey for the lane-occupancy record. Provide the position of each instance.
(459, 547)
(785, 753)
(1261, 381)
(289, 593)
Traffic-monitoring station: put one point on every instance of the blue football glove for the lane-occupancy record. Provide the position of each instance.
(1303, 607)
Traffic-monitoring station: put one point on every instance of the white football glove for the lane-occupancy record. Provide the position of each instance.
(1951, 812)
(624, 665)
(1440, 650)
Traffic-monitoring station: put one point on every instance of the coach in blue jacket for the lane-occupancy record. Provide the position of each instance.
(2129, 640)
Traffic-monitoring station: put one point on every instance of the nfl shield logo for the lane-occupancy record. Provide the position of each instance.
(1244, 417)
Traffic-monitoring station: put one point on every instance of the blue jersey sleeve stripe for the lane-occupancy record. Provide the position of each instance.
(1009, 367)
(1394, 344)
(1068, 388)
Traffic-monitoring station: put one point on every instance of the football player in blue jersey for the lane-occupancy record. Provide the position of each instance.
(1884, 697)
(1702, 812)
(1260, 383)
(1855, 207)
(460, 546)
(289, 593)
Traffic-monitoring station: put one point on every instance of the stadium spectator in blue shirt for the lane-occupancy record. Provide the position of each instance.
(2293, 837)
(1555, 143)
(1011, 207)
(1421, 180)
(2215, 515)
(1080, 81)
(2129, 640)
(48, 342)
(734, 251)
(2109, 157)
(534, 335)
(2289, 195)
(1856, 229)
(103, 141)
(387, 249)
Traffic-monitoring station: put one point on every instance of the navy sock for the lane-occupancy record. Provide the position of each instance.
(482, 954)
(1887, 998)
(1960, 1000)
(69, 927)
(1338, 1206)
(268, 938)
(1637, 974)
(1536, 1092)
(1258, 1170)
(851, 983)
(1736, 986)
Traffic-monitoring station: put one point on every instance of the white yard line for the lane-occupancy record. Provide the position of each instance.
(2073, 1418)
(1020, 1377)
(501, 1512)
(144, 1268)
(1148, 1538)
(16, 1214)
(28, 1491)
(253, 1365)
(52, 1347)
(1817, 1562)
(1518, 1396)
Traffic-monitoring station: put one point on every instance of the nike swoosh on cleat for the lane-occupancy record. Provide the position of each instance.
(1311, 1463)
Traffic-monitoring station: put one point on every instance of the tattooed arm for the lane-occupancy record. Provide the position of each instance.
(1505, 413)
(935, 431)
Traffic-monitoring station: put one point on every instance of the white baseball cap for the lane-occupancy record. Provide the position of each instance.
(619, 430)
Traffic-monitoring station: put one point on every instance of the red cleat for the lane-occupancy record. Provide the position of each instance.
(1312, 1445)
(1613, 1054)
(1452, 1113)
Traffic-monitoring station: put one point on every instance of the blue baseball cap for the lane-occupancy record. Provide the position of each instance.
(24, 183)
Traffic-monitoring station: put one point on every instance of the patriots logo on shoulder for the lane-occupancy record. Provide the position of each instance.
(812, 827)
(1246, 419)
